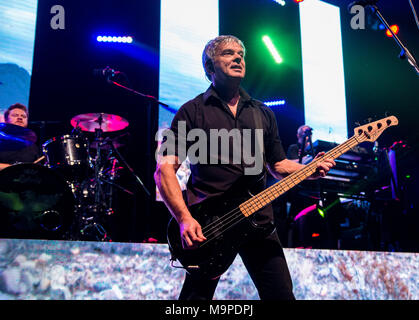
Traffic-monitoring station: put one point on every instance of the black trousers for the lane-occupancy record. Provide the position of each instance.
(265, 261)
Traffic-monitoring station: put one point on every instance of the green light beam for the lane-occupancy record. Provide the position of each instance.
(272, 49)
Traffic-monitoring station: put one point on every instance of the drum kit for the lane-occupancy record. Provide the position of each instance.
(68, 193)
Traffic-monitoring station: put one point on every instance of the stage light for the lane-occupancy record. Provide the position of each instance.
(315, 235)
(298, 1)
(305, 211)
(272, 49)
(114, 39)
(321, 211)
(395, 28)
(275, 103)
(281, 2)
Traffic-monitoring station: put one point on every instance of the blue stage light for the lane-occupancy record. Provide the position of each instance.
(275, 103)
(114, 39)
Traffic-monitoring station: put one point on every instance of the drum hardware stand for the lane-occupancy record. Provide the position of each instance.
(91, 222)
(89, 197)
(102, 176)
(100, 205)
(110, 181)
(126, 165)
(94, 192)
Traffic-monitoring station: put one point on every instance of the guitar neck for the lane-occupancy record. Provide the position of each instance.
(268, 195)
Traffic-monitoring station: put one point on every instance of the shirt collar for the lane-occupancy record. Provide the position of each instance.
(244, 96)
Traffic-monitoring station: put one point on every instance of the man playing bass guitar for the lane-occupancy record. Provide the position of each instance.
(227, 109)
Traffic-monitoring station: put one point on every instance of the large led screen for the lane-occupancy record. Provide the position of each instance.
(17, 35)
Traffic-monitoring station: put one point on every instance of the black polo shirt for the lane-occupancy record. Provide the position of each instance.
(208, 113)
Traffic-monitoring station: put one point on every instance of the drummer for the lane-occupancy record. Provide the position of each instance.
(26, 150)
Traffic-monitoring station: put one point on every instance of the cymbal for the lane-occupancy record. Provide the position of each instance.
(13, 137)
(92, 121)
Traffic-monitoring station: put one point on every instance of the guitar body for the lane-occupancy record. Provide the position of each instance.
(214, 256)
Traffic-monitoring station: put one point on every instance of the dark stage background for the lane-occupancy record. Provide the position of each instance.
(63, 85)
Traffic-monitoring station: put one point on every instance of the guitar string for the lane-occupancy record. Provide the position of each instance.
(216, 226)
(224, 223)
(228, 215)
(236, 218)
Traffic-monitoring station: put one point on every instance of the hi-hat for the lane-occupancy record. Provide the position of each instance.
(92, 121)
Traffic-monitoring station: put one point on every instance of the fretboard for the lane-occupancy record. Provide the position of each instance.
(270, 194)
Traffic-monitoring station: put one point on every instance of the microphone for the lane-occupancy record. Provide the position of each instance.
(308, 132)
(106, 72)
(363, 3)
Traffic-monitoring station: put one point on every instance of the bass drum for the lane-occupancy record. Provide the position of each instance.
(35, 202)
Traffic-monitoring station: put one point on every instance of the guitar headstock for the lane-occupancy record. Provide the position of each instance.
(371, 131)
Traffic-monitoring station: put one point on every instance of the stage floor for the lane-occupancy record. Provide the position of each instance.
(79, 270)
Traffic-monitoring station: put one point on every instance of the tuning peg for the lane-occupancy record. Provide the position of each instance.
(387, 114)
(357, 123)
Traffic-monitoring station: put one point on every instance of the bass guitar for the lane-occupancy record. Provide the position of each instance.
(228, 220)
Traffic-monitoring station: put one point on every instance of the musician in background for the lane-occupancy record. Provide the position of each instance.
(18, 145)
(301, 151)
(299, 197)
(225, 105)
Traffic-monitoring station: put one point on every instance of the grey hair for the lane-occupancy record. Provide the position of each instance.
(211, 47)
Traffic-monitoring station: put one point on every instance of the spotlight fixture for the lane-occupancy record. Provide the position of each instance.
(274, 103)
(114, 39)
(395, 28)
(281, 2)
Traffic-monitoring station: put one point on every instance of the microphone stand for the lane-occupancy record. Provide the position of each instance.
(108, 79)
(404, 53)
(148, 141)
(311, 145)
(322, 198)
(137, 93)
(302, 147)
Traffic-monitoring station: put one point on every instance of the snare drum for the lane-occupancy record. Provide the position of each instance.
(35, 201)
(69, 154)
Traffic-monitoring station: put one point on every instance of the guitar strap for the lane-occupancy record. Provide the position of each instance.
(257, 116)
